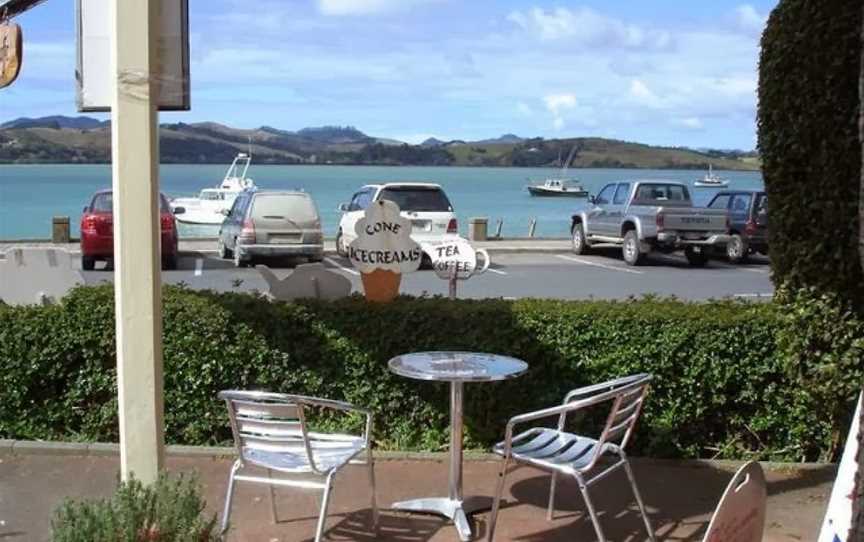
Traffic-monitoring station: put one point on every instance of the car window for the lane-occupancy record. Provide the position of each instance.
(621, 194)
(605, 195)
(762, 203)
(657, 194)
(237, 208)
(720, 202)
(740, 203)
(294, 207)
(104, 203)
(417, 198)
(365, 198)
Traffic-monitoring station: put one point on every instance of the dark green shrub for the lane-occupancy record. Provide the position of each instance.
(727, 380)
(168, 511)
(808, 140)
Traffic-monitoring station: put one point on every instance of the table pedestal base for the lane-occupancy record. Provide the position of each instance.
(455, 511)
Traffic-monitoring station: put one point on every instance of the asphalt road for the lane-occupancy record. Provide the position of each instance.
(560, 275)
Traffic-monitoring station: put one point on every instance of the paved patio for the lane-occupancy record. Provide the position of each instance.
(679, 496)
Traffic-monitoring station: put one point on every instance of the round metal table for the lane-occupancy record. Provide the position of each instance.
(456, 368)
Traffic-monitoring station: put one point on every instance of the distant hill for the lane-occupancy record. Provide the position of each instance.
(87, 140)
(56, 122)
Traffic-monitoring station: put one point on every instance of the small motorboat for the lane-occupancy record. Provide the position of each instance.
(210, 206)
(558, 188)
(711, 180)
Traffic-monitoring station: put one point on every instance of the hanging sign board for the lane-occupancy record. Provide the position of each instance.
(740, 516)
(838, 517)
(383, 250)
(456, 258)
(94, 74)
(10, 53)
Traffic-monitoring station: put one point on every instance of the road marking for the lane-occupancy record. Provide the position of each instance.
(753, 295)
(754, 270)
(199, 266)
(601, 265)
(496, 271)
(340, 266)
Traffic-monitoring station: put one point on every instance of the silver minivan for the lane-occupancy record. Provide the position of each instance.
(271, 223)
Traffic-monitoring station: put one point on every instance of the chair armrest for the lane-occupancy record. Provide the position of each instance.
(342, 406)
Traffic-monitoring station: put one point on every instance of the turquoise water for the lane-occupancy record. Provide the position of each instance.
(31, 194)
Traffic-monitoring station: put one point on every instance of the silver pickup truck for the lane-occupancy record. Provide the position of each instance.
(645, 216)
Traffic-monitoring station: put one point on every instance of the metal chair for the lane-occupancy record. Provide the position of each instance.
(270, 432)
(559, 452)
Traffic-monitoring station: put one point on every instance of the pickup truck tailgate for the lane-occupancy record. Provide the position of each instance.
(694, 219)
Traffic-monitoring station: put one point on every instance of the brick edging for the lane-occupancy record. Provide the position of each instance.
(103, 449)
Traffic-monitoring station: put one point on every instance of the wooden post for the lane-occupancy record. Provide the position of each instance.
(138, 295)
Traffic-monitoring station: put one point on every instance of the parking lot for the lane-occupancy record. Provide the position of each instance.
(558, 275)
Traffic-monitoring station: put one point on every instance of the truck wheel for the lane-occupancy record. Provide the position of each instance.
(695, 259)
(169, 263)
(631, 249)
(88, 263)
(340, 248)
(737, 249)
(580, 243)
(238, 260)
(224, 253)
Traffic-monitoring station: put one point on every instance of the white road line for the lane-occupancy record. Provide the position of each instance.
(601, 265)
(753, 295)
(199, 266)
(496, 271)
(343, 268)
(754, 270)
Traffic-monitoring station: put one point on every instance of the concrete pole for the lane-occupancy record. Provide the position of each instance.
(137, 283)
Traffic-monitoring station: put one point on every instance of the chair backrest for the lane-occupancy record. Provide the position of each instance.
(626, 395)
(266, 421)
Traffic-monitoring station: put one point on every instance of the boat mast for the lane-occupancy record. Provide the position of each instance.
(567, 163)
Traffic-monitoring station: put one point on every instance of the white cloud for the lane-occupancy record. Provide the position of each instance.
(750, 20)
(693, 123)
(640, 92)
(558, 105)
(365, 7)
(588, 28)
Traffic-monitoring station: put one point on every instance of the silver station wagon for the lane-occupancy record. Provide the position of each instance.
(269, 223)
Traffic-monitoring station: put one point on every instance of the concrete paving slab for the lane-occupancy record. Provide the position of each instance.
(679, 497)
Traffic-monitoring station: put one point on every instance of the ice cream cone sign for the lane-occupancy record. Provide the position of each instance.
(383, 250)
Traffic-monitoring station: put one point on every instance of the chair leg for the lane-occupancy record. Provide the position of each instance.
(590, 505)
(639, 500)
(551, 510)
(229, 497)
(496, 503)
(272, 497)
(374, 500)
(325, 503)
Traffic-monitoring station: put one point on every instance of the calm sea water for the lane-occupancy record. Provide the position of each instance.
(31, 194)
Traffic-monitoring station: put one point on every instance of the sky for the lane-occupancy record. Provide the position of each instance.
(663, 72)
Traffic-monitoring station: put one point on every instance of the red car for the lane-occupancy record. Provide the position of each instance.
(97, 232)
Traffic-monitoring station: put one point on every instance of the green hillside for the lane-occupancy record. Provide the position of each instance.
(62, 140)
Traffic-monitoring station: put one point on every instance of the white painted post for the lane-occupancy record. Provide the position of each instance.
(138, 295)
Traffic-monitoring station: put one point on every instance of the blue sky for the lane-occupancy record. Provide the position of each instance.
(670, 72)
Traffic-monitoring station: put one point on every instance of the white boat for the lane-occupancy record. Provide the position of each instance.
(711, 180)
(210, 205)
(560, 186)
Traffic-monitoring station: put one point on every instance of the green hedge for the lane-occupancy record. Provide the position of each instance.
(809, 143)
(732, 380)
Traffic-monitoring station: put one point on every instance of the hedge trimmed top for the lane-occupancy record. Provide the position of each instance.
(808, 140)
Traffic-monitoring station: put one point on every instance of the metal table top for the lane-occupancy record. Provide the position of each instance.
(457, 366)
